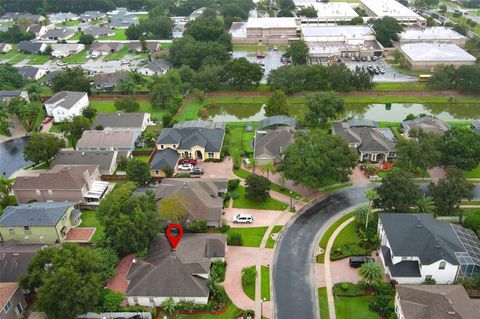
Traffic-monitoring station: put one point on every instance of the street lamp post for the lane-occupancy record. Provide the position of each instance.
(291, 201)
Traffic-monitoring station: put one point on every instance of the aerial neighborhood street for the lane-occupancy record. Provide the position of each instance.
(227, 159)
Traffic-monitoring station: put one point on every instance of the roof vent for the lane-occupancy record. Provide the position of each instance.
(134, 261)
(419, 226)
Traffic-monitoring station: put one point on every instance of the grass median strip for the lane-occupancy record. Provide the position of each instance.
(328, 234)
(323, 302)
(270, 241)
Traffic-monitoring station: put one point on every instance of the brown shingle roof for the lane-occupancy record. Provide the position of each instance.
(7, 290)
(59, 177)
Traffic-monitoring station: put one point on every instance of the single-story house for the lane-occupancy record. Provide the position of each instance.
(31, 47)
(99, 31)
(5, 47)
(105, 48)
(65, 105)
(194, 139)
(121, 18)
(427, 124)
(106, 160)
(121, 120)
(108, 140)
(6, 96)
(417, 247)
(12, 301)
(35, 18)
(156, 67)
(108, 81)
(182, 274)
(151, 46)
(8, 17)
(435, 301)
(31, 73)
(58, 34)
(92, 15)
(37, 29)
(73, 183)
(62, 50)
(200, 197)
(373, 143)
(39, 223)
(475, 126)
(50, 75)
(63, 17)
(163, 159)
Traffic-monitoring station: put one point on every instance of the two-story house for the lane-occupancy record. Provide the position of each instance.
(121, 120)
(74, 183)
(66, 104)
(39, 223)
(199, 140)
(417, 247)
(12, 301)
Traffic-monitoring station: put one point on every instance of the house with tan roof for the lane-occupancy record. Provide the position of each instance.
(74, 183)
(105, 48)
(12, 301)
(108, 140)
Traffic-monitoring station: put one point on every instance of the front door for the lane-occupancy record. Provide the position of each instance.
(199, 155)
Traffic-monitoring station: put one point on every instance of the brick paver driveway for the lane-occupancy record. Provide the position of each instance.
(218, 170)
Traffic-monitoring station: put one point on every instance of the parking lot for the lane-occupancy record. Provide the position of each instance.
(389, 73)
(271, 61)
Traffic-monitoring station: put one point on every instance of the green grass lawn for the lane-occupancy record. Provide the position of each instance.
(403, 70)
(117, 55)
(10, 54)
(189, 110)
(336, 188)
(474, 173)
(323, 303)
(326, 236)
(68, 23)
(394, 86)
(142, 158)
(265, 288)
(145, 106)
(35, 59)
(238, 140)
(249, 289)
(18, 58)
(77, 58)
(270, 241)
(347, 243)
(269, 204)
(89, 219)
(354, 308)
(119, 35)
(251, 236)
(76, 36)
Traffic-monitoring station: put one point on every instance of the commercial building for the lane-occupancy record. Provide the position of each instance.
(333, 42)
(432, 35)
(392, 8)
(330, 12)
(266, 31)
(429, 56)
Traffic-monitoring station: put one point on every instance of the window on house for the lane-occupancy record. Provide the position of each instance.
(442, 265)
(50, 192)
(210, 155)
(161, 146)
(11, 230)
(38, 192)
(26, 228)
(7, 307)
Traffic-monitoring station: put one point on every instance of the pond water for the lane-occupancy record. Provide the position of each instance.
(11, 156)
(394, 112)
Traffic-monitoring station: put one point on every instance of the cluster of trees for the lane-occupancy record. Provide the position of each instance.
(286, 8)
(387, 30)
(258, 188)
(72, 79)
(158, 27)
(27, 112)
(337, 77)
(9, 77)
(297, 52)
(235, 10)
(15, 35)
(42, 147)
(465, 78)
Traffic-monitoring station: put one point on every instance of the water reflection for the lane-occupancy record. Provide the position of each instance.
(11, 156)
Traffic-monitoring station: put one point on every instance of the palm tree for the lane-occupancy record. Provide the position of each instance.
(425, 205)
(269, 168)
(371, 273)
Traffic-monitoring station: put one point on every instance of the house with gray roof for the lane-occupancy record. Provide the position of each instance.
(194, 139)
(416, 247)
(156, 67)
(63, 17)
(39, 223)
(121, 120)
(58, 34)
(167, 158)
(99, 31)
(270, 145)
(6, 96)
(106, 160)
(121, 18)
(65, 105)
(92, 15)
(181, 274)
(150, 46)
(435, 301)
(31, 73)
(200, 197)
(427, 124)
(31, 47)
(37, 29)
(373, 143)
(108, 81)
(36, 18)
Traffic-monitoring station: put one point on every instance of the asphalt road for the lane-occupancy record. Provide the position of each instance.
(293, 276)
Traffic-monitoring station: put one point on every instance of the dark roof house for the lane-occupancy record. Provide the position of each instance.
(31, 47)
(99, 31)
(34, 214)
(58, 34)
(162, 159)
(151, 46)
(270, 145)
(106, 160)
(130, 120)
(108, 81)
(31, 72)
(428, 124)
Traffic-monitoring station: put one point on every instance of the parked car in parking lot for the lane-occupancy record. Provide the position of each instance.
(185, 167)
(357, 261)
(188, 161)
(242, 219)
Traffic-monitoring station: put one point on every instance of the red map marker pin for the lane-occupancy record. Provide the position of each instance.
(174, 239)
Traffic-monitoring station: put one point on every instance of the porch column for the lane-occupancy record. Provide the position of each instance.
(374, 157)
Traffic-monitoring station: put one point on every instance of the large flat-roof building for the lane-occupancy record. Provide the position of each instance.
(265, 31)
(392, 8)
(330, 12)
(432, 35)
(332, 42)
(429, 56)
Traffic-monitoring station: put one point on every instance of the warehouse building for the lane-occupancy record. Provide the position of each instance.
(394, 9)
(266, 31)
(330, 13)
(432, 35)
(429, 56)
(327, 43)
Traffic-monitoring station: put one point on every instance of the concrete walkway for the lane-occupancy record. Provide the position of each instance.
(328, 274)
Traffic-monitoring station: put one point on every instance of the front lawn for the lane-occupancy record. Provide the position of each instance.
(119, 35)
(323, 303)
(326, 236)
(89, 219)
(354, 308)
(251, 236)
(10, 54)
(270, 241)
(243, 202)
(347, 243)
(145, 106)
(231, 312)
(77, 58)
(117, 55)
(35, 59)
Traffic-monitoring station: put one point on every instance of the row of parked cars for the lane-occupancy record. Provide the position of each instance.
(188, 165)
(372, 69)
(364, 59)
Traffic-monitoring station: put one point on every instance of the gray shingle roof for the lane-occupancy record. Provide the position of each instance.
(406, 268)
(34, 214)
(92, 15)
(421, 235)
(427, 124)
(28, 71)
(119, 120)
(58, 33)
(66, 99)
(164, 158)
(103, 159)
(273, 143)
(97, 31)
(210, 139)
(15, 260)
(370, 137)
(29, 46)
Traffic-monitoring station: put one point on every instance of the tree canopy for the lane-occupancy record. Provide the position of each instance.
(316, 158)
(387, 30)
(465, 78)
(242, 73)
(72, 79)
(277, 104)
(322, 107)
(42, 147)
(75, 127)
(258, 188)
(397, 192)
(9, 77)
(298, 52)
(138, 171)
(461, 148)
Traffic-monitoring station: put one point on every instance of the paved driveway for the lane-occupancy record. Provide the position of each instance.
(260, 217)
(218, 170)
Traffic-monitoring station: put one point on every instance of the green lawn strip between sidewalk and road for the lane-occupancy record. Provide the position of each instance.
(249, 289)
(270, 241)
(251, 236)
(323, 303)
(89, 219)
(336, 188)
(243, 202)
(326, 236)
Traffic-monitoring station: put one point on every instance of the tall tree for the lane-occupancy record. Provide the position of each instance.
(334, 160)
(258, 188)
(5, 188)
(68, 280)
(9, 77)
(242, 73)
(397, 192)
(387, 30)
(75, 127)
(425, 205)
(138, 171)
(450, 190)
(72, 79)
(277, 104)
(461, 148)
(42, 147)
(298, 52)
(323, 107)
